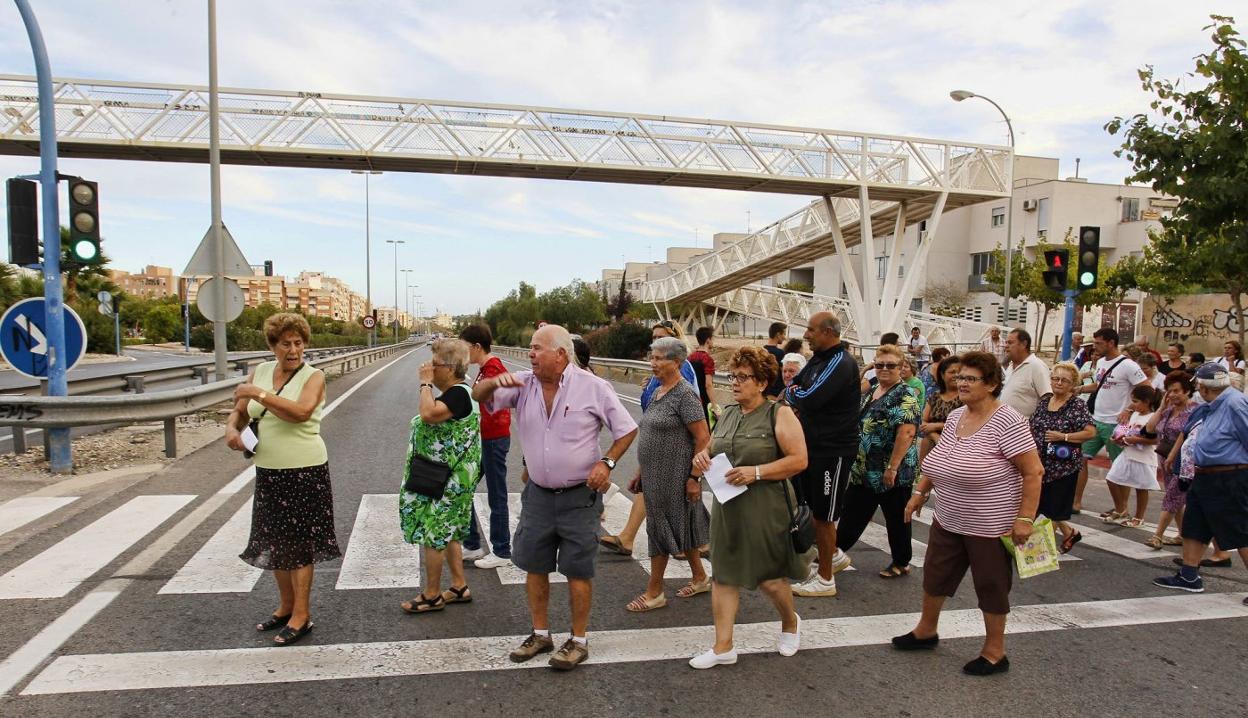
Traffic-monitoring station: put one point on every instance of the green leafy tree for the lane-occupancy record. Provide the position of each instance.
(1193, 145)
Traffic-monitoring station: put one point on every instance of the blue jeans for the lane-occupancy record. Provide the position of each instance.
(494, 464)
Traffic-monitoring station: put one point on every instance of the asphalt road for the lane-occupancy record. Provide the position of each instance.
(1095, 638)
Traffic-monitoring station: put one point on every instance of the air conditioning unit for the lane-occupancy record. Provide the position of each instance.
(1030, 205)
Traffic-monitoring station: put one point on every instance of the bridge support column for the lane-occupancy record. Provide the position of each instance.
(894, 308)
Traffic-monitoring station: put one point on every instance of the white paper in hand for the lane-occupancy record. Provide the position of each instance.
(250, 440)
(715, 476)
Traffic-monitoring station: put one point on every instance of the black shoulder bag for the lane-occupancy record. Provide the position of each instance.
(1101, 383)
(254, 424)
(801, 520)
(428, 477)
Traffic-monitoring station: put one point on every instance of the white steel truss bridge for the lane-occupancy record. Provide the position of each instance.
(888, 178)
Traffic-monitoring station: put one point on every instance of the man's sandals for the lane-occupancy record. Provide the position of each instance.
(422, 604)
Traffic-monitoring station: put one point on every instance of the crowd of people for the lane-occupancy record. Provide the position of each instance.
(998, 436)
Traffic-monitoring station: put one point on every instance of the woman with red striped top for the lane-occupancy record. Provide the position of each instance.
(986, 471)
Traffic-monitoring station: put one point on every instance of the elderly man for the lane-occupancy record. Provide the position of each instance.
(1026, 376)
(559, 411)
(993, 345)
(825, 396)
(1217, 502)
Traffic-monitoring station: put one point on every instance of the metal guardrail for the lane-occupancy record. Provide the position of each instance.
(36, 412)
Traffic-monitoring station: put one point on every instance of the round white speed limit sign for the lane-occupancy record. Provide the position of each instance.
(368, 322)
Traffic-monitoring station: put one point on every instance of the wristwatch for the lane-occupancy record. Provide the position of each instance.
(262, 395)
(610, 462)
(427, 384)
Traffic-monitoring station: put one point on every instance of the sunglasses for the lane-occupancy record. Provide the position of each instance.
(880, 366)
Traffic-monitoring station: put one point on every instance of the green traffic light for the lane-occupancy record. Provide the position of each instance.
(1086, 279)
(85, 250)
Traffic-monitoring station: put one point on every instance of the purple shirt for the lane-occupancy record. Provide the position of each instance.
(560, 450)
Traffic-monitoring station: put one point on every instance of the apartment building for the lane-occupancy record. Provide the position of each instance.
(153, 282)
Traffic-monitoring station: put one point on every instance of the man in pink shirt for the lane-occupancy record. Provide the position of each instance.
(560, 409)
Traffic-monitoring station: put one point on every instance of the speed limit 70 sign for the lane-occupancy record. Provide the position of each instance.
(368, 322)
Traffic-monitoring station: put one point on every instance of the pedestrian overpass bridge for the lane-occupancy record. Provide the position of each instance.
(865, 182)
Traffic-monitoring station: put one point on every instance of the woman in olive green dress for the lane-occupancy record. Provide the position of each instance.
(750, 541)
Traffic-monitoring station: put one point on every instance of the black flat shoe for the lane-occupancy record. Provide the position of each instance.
(273, 622)
(909, 642)
(983, 667)
(289, 635)
(1206, 562)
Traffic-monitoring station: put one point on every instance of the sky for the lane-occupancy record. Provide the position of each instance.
(1060, 68)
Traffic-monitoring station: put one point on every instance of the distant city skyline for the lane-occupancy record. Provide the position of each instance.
(1061, 74)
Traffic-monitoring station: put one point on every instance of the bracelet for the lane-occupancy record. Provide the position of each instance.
(758, 473)
(920, 493)
(1025, 520)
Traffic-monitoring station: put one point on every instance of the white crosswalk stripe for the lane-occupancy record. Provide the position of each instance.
(377, 556)
(876, 536)
(61, 568)
(18, 512)
(216, 567)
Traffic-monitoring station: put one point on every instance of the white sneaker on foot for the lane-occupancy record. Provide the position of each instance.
(470, 554)
(710, 659)
(840, 561)
(790, 642)
(816, 587)
(492, 561)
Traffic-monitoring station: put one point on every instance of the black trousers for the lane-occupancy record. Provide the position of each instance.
(860, 505)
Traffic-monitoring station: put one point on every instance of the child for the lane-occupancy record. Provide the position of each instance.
(1136, 467)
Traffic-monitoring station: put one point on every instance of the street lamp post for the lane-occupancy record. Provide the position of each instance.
(407, 291)
(958, 96)
(396, 243)
(368, 262)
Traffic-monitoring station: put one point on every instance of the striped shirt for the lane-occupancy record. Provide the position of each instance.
(978, 488)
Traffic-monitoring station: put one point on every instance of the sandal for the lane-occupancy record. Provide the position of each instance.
(274, 621)
(613, 543)
(1069, 542)
(691, 589)
(641, 604)
(1154, 542)
(895, 571)
(289, 635)
(457, 595)
(1113, 517)
(1131, 522)
(420, 604)
(1172, 540)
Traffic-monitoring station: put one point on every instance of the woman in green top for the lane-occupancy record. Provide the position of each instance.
(447, 429)
(909, 375)
(292, 516)
(750, 540)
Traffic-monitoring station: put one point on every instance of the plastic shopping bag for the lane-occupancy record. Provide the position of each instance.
(1039, 554)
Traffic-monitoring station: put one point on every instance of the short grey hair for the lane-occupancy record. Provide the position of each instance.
(793, 358)
(560, 338)
(670, 348)
(832, 323)
(454, 353)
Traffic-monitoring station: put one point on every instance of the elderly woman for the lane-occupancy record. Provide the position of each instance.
(1174, 359)
(1167, 424)
(673, 429)
(292, 519)
(1059, 426)
(791, 366)
(764, 443)
(447, 429)
(1148, 365)
(910, 376)
(942, 400)
(623, 542)
(887, 461)
(987, 472)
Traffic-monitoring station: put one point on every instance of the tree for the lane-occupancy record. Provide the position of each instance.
(618, 307)
(1193, 145)
(947, 298)
(575, 306)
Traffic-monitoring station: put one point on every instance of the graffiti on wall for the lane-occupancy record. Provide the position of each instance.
(1197, 320)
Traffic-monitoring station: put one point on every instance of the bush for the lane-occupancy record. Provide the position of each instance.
(626, 340)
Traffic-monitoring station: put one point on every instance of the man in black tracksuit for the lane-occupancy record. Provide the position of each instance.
(825, 396)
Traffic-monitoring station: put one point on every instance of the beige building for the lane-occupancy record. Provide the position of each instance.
(154, 282)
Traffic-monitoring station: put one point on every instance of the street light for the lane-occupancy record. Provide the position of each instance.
(368, 263)
(396, 243)
(407, 292)
(958, 96)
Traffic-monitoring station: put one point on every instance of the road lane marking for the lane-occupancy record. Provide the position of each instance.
(246, 666)
(18, 512)
(377, 556)
(216, 568)
(76, 558)
(876, 536)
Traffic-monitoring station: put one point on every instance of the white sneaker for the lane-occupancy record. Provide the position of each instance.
(840, 561)
(470, 554)
(492, 561)
(710, 659)
(816, 587)
(789, 642)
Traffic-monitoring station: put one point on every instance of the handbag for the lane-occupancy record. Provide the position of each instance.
(429, 477)
(1101, 383)
(254, 424)
(801, 520)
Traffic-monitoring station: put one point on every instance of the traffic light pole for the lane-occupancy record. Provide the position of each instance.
(214, 173)
(1068, 325)
(60, 450)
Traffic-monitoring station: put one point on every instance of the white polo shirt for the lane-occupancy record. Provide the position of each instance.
(1025, 383)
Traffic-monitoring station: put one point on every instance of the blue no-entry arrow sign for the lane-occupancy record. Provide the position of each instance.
(23, 338)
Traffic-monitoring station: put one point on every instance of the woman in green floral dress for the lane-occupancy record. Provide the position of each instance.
(447, 429)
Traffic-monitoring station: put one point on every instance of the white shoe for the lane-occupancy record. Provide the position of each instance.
(492, 561)
(710, 659)
(840, 561)
(470, 554)
(790, 642)
(816, 587)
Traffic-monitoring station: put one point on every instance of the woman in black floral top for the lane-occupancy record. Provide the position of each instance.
(1060, 424)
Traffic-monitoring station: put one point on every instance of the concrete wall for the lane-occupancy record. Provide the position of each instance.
(1201, 322)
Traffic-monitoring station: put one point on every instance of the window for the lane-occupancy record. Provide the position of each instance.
(1042, 217)
(922, 231)
(1130, 209)
(881, 267)
(901, 270)
(981, 262)
(998, 216)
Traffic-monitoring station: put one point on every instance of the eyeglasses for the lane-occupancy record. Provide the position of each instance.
(438, 365)
(879, 366)
(740, 378)
(967, 379)
(1060, 380)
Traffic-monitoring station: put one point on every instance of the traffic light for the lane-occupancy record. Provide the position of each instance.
(1055, 264)
(23, 222)
(1089, 257)
(268, 268)
(84, 221)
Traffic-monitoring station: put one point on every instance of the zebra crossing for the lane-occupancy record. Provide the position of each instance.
(375, 556)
